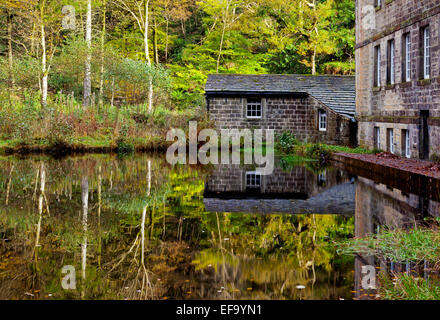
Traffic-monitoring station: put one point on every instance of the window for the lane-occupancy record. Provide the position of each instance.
(254, 109)
(322, 120)
(390, 62)
(253, 180)
(406, 57)
(391, 140)
(377, 137)
(377, 69)
(426, 54)
(406, 151)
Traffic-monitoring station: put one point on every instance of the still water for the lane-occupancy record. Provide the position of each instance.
(101, 227)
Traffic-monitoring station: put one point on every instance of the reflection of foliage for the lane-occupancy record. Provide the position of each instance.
(263, 248)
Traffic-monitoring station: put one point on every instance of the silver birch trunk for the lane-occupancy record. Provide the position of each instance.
(147, 56)
(43, 62)
(87, 73)
(101, 85)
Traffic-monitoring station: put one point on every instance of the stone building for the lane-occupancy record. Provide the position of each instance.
(314, 108)
(397, 76)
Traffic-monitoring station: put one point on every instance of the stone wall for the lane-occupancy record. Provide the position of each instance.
(397, 106)
(296, 114)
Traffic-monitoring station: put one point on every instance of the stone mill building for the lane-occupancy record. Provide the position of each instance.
(398, 76)
(314, 108)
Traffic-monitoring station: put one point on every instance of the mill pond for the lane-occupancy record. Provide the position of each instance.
(138, 228)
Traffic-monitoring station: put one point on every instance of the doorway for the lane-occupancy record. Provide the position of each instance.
(424, 134)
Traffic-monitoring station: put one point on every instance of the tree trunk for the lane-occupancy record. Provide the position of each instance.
(43, 60)
(225, 20)
(314, 62)
(11, 66)
(87, 74)
(147, 56)
(101, 84)
(166, 40)
(156, 54)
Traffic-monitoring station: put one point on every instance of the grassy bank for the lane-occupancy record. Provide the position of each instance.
(418, 246)
(27, 128)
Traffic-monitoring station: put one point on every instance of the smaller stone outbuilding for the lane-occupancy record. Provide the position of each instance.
(314, 108)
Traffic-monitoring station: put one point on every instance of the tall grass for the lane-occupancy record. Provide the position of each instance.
(65, 122)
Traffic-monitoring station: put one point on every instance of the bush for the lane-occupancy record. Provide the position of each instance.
(286, 142)
(61, 132)
(123, 146)
(317, 151)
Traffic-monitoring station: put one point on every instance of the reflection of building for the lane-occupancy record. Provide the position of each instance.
(379, 206)
(235, 188)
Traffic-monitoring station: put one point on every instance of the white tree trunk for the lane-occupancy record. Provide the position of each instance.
(101, 85)
(43, 62)
(87, 74)
(147, 56)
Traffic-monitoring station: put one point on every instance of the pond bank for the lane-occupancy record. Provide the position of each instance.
(408, 175)
(10, 147)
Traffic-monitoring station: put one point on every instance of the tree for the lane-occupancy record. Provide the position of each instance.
(87, 72)
(226, 11)
(140, 11)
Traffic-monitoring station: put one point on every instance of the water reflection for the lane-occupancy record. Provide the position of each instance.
(138, 228)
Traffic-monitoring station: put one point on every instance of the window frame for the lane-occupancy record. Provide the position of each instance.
(391, 140)
(322, 114)
(391, 60)
(254, 184)
(407, 144)
(258, 104)
(377, 137)
(406, 56)
(377, 66)
(426, 64)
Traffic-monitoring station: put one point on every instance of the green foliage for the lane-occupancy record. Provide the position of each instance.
(407, 287)
(285, 142)
(397, 245)
(319, 152)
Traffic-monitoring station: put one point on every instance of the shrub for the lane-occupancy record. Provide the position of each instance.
(286, 142)
(435, 158)
(317, 151)
(61, 132)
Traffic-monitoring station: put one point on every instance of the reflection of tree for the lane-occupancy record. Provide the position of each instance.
(145, 220)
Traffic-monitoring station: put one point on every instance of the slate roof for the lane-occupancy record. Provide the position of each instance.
(337, 92)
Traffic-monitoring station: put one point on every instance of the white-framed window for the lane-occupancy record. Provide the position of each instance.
(391, 140)
(322, 117)
(377, 137)
(392, 61)
(254, 109)
(407, 57)
(407, 144)
(377, 67)
(253, 179)
(426, 54)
